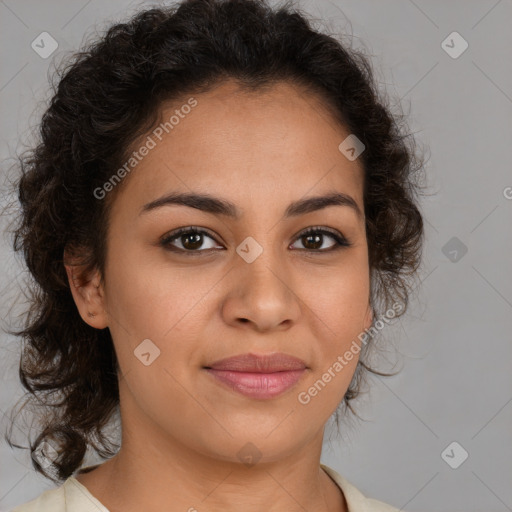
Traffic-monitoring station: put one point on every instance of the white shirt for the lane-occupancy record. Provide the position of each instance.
(72, 496)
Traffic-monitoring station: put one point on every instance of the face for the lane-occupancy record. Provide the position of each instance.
(246, 283)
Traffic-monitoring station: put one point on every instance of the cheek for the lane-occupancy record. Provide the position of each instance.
(339, 306)
(140, 294)
(153, 327)
(340, 300)
(156, 302)
(338, 314)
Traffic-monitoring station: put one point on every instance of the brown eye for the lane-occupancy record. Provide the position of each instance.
(187, 240)
(192, 241)
(314, 238)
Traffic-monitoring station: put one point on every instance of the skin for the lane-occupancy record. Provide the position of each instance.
(181, 428)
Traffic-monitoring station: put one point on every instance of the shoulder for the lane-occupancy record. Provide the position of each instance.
(356, 500)
(51, 500)
(71, 496)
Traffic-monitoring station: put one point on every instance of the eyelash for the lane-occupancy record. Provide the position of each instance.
(165, 242)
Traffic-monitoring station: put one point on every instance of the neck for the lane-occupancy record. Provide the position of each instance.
(154, 471)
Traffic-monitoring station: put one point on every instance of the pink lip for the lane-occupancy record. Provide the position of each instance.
(258, 385)
(260, 377)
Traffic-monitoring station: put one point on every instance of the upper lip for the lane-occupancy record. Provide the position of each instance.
(267, 363)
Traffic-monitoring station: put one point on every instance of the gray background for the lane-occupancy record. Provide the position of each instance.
(455, 344)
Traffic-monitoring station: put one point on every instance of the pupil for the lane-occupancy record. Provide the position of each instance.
(317, 242)
(190, 238)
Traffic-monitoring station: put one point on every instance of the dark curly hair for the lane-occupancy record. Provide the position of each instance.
(106, 97)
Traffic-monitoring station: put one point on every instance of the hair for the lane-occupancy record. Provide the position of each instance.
(110, 94)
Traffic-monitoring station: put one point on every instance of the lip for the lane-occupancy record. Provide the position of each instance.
(266, 363)
(258, 377)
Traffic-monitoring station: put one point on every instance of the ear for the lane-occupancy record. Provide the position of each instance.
(88, 294)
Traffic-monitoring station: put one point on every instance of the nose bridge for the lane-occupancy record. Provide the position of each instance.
(261, 261)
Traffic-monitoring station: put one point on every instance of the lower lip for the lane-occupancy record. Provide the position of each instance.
(258, 385)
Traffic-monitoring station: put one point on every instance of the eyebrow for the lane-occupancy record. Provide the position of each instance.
(219, 206)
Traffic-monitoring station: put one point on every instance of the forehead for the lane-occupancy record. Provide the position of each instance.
(276, 144)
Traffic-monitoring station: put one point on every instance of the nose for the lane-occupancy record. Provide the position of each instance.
(262, 294)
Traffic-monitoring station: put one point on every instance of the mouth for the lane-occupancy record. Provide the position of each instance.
(258, 377)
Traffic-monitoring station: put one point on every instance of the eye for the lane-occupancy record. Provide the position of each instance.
(314, 238)
(190, 239)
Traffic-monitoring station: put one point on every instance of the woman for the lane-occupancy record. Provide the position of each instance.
(219, 211)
